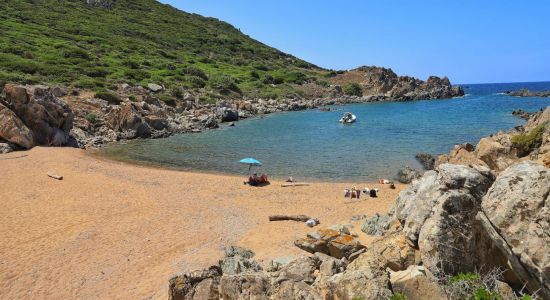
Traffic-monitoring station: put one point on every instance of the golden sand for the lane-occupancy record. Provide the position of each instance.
(111, 230)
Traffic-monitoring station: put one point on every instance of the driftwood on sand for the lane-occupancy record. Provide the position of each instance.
(55, 176)
(297, 218)
(294, 184)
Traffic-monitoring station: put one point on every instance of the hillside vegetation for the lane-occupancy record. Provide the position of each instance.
(96, 44)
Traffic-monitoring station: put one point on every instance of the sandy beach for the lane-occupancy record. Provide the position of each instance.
(111, 230)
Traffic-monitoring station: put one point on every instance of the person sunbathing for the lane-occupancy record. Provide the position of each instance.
(263, 179)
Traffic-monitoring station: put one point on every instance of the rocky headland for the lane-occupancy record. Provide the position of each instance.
(56, 116)
(483, 212)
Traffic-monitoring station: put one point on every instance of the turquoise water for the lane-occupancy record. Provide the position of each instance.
(312, 145)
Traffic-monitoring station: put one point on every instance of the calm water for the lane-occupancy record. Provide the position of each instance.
(312, 145)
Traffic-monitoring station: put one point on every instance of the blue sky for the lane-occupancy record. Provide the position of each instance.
(469, 41)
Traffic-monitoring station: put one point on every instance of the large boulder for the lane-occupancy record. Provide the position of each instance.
(49, 118)
(229, 115)
(14, 130)
(516, 217)
(449, 190)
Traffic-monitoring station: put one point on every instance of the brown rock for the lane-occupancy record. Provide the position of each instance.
(14, 130)
(415, 285)
(49, 118)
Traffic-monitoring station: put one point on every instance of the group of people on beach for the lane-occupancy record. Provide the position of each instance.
(255, 180)
(356, 193)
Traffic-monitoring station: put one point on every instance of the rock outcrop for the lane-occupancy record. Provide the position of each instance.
(12, 129)
(44, 116)
(515, 215)
(463, 219)
(385, 83)
(528, 93)
(501, 150)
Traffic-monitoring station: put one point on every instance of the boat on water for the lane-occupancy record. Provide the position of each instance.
(348, 118)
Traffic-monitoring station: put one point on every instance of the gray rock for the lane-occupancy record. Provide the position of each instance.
(5, 148)
(245, 286)
(153, 87)
(436, 190)
(300, 269)
(377, 224)
(238, 260)
(407, 175)
(229, 115)
(516, 214)
(426, 160)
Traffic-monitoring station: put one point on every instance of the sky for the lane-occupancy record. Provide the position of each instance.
(469, 41)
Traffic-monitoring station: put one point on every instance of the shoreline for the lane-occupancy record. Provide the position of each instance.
(116, 230)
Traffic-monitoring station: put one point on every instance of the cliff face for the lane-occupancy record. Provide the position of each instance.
(384, 82)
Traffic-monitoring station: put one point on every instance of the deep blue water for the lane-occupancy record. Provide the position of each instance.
(312, 145)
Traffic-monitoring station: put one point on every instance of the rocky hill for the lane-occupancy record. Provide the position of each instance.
(99, 45)
(384, 82)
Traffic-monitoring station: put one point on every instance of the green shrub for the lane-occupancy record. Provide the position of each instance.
(91, 117)
(109, 97)
(353, 89)
(168, 100)
(194, 71)
(527, 142)
(224, 84)
(132, 64)
(196, 82)
(398, 296)
(469, 277)
(97, 72)
(177, 92)
(74, 52)
(254, 74)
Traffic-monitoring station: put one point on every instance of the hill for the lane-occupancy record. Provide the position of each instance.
(96, 44)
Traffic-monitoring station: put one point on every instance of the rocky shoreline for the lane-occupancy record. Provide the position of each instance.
(482, 212)
(54, 116)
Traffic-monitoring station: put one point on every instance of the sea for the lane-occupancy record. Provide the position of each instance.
(312, 145)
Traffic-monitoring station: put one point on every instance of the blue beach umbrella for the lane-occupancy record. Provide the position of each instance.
(250, 162)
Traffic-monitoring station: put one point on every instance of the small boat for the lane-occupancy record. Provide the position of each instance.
(348, 118)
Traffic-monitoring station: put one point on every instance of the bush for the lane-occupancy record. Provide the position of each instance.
(196, 82)
(224, 84)
(254, 74)
(76, 53)
(168, 100)
(353, 89)
(194, 71)
(527, 142)
(398, 296)
(109, 97)
(97, 72)
(91, 117)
